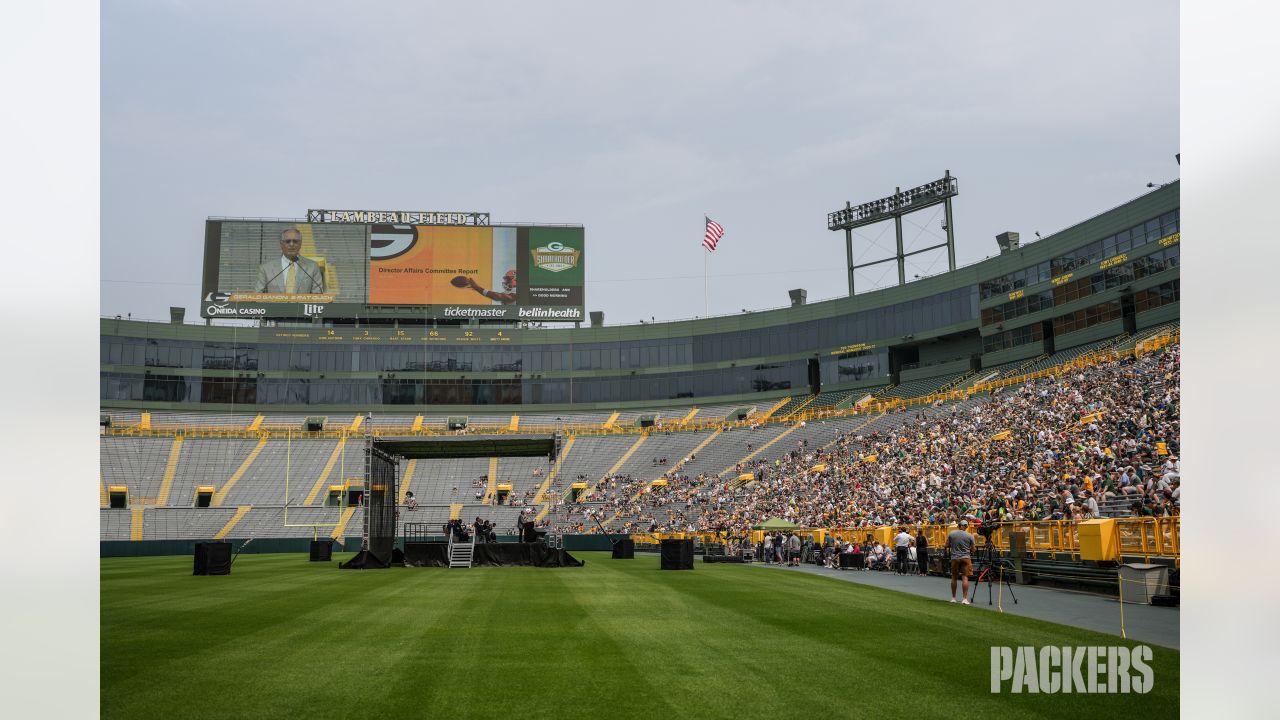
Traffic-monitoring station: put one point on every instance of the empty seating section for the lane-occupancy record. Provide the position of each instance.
(793, 403)
(1064, 356)
(209, 463)
(449, 480)
(731, 447)
(172, 523)
(923, 386)
(717, 413)
(113, 524)
(1002, 370)
(519, 473)
(547, 422)
(277, 522)
(670, 446)
(137, 462)
(304, 462)
(589, 460)
(1130, 342)
(198, 420)
(832, 398)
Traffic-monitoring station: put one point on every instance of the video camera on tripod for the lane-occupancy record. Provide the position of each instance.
(988, 565)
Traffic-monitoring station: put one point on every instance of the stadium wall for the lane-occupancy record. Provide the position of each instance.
(146, 548)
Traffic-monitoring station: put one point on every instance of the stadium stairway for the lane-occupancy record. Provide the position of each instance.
(492, 488)
(409, 469)
(136, 520)
(540, 495)
(788, 413)
(672, 446)
(324, 475)
(170, 468)
(221, 494)
(761, 449)
(340, 530)
(235, 520)
(775, 408)
(613, 470)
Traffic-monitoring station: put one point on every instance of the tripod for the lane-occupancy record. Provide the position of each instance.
(989, 571)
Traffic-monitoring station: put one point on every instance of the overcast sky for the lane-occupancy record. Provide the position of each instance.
(632, 121)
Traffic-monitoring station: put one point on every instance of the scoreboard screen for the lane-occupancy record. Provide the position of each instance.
(281, 269)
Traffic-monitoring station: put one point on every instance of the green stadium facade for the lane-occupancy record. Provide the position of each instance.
(1111, 274)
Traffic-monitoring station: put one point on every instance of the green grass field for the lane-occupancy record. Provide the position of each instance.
(284, 638)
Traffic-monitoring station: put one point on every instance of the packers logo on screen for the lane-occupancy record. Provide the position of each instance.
(555, 257)
(389, 241)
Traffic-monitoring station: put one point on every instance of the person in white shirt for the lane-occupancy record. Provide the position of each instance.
(901, 545)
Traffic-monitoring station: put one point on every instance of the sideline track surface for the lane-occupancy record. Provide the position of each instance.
(1143, 623)
(284, 638)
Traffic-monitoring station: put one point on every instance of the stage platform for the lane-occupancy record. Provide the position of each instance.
(436, 554)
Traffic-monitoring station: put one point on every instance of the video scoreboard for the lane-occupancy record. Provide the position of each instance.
(352, 264)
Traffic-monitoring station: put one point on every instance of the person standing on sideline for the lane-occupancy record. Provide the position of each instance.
(922, 551)
(960, 543)
(901, 543)
(768, 548)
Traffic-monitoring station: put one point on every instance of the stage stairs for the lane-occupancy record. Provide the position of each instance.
(461, 553)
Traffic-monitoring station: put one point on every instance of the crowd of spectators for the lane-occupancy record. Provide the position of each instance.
(1060, 447)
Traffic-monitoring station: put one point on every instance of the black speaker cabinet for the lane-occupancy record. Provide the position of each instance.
(677, 555)
(624, 549)
(321, 550)
(212, 558)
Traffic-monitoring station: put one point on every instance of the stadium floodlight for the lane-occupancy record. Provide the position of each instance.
(893, 208)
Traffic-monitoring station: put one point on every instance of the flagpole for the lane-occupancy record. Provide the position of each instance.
(706, 311)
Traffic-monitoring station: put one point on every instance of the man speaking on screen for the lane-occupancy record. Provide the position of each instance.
(290, 273)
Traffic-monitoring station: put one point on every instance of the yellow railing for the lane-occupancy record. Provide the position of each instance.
(1141, 537)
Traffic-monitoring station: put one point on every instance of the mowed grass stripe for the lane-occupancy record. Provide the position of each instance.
(282, 637)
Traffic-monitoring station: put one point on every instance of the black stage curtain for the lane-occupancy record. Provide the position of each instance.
(677, 555)
(425, 554)
(365, 560)
(528, 554)
(212, 558)
(491, 555)
(624, 549)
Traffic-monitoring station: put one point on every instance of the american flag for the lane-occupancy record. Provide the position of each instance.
(714, 233)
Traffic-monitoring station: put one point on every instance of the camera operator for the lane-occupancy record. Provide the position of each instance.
(960, 544)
